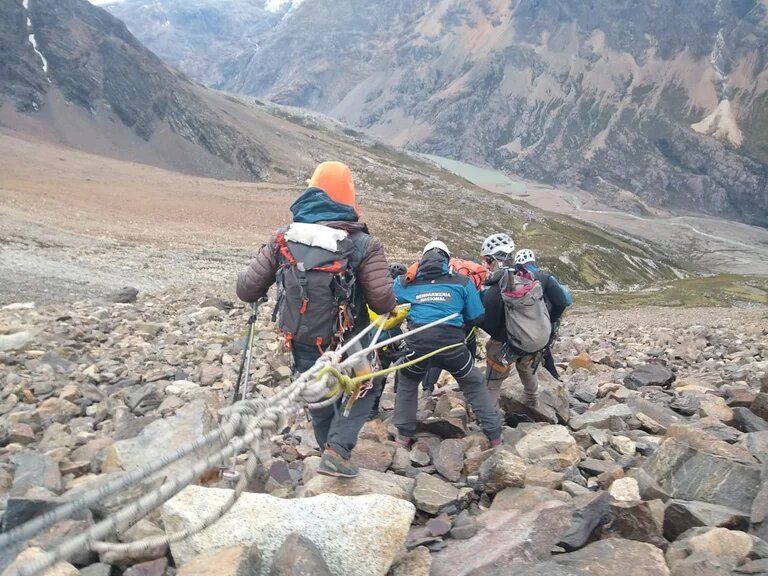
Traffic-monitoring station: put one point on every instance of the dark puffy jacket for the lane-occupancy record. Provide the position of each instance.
(314, 206)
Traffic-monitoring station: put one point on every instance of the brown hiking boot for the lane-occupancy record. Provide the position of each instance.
(332, 464)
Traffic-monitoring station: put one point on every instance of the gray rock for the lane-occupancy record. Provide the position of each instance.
(587, 512)
(617, 556)
(503, 539)
(238, 560)
(642, 521)
(144, 399)
(502, 469)
(35, 470)
(688, 473)
(550, 446)
(713, 551)
(21, 509)
(430, 494)
(523, 499)
(126, 295)
(542, 569)
(356, 536)
(601, 417)
(682, 515)
(366, 482)
(449, 459)
(464, 526)
(15, 341)
(161, 436)
(298, 556)
(649, 375)
(747, 421)
(97, 569)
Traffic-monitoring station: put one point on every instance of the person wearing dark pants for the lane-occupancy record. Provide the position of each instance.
(332, 429)
(460, 363)
(433, 294)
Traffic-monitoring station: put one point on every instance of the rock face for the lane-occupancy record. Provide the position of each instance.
(120, 81)
(356, 536)
(611, 122)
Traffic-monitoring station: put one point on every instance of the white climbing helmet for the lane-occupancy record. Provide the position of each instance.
(498, 246)
(436, 244)
(524, 256)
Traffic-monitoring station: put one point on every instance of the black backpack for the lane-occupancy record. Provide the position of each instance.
(317, 298)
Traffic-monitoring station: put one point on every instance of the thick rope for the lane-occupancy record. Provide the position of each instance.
(247, 424)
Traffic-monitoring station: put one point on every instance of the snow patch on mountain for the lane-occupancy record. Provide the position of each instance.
(286, 6)
(33, 40)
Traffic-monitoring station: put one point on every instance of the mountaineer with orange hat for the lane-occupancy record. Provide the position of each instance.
(329, 270)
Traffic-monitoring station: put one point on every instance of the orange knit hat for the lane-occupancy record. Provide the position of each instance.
(335, 179)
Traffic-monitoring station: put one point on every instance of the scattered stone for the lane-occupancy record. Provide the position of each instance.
(625, 490)
(587, 513)
(126, 295)
(682, 515)
(501, 470)
(550, 446)
(439, 526)
(16, 341)
(238, 560)
(416, 562)
(464, 526)
(642, 521)
(151, 568)
(31, 554)
(715, 407)
(449, 459)
(649, 375)
(356, 536)
(56, 410)
(35, 470)
(582, 362)
(430, 494)
(601, 417)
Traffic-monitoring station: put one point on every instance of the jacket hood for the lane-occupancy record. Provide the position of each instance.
(314, 206)
(433, 265)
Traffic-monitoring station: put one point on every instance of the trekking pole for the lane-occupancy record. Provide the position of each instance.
(241, 386)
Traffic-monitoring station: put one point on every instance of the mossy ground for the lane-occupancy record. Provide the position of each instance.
(724, 290)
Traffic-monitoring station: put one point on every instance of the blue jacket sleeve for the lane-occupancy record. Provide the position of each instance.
(559, 298)
(399, 290)
(473, 310)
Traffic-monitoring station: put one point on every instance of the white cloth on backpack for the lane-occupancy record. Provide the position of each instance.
(315, 235)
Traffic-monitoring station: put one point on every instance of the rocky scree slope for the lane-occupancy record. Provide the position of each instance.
(664, 101)
(73, 71)
(651, 459)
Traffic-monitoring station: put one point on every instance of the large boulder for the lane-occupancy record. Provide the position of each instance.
(689, 473)
(587, 512)
(503, 538)
(356, 535)
(161, 437)
(550, 446)
(617, 556)
(298, 556)
(682, 515)
(713, 551)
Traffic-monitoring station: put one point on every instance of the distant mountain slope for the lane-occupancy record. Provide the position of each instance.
(666, 100)
(74, 72)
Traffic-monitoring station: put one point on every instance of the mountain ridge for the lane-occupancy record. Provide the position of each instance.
(605, 96)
